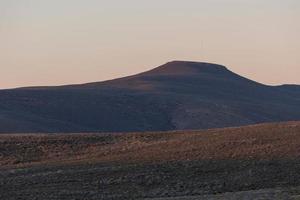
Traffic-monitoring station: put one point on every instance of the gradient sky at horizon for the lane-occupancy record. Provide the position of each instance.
(55, 42)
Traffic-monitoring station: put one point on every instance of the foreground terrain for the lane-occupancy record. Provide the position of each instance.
(254, 162)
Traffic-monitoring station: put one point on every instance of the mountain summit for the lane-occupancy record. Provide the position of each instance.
(175, 96)
(177, 76)
(186, 68)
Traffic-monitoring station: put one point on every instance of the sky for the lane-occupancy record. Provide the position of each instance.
(56, 42)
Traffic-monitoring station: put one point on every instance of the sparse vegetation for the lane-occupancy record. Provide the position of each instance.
(152, 165)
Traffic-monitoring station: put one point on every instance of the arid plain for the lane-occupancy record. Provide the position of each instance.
(233, 163)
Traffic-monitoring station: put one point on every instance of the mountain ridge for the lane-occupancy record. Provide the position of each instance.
(181, 68)
(169, 66)
(178, 95)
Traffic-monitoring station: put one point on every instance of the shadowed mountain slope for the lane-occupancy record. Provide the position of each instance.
(177, 95)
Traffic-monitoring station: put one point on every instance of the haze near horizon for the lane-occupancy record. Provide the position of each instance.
(70, 41)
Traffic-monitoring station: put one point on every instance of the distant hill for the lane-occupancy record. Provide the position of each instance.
(178, 95)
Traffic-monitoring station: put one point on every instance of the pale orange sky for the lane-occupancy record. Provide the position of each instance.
(54, 42)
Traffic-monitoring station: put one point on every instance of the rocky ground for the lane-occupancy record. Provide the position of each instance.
(255, 162)
(264, 194)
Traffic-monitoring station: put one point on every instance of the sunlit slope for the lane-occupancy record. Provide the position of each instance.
(265, 141)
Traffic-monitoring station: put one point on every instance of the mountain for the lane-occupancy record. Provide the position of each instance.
(178, 95)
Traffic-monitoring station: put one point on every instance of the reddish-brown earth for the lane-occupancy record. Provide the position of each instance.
(266, 141)
(210, 164)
